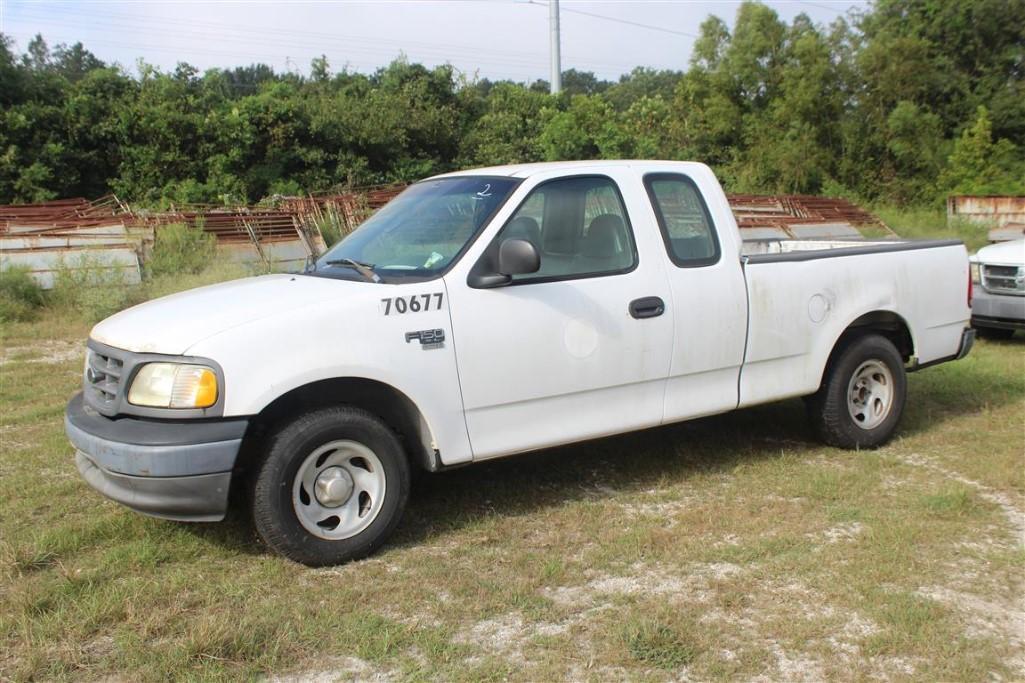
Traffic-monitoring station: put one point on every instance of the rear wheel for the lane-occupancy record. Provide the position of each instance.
(331, 487)
(862, 396)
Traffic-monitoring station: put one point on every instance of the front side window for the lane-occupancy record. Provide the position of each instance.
(419, 233)
(684, 219)
(579, 226)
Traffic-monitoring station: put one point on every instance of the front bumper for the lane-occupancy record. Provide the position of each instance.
(1004, 311)
(172, 469)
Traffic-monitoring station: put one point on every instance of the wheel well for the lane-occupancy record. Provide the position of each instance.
(386, 402)
(886, 323)
(889, 325)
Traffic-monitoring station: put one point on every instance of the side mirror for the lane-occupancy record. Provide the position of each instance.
(515, 257)
(518, 257)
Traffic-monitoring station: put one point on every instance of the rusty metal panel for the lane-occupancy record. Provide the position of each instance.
(1005, 213)
(800, 217)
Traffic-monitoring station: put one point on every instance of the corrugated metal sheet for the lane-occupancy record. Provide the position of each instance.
(1005, 213)
(108, 257)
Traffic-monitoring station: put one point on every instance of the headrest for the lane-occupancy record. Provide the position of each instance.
(524, 228)
(606, 237)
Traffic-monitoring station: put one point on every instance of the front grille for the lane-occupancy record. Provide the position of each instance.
(102, 383)
(1003, 279)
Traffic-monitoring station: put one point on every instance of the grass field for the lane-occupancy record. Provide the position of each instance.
(727, 548)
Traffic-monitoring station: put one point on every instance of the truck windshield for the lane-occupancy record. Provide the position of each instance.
(420, 232)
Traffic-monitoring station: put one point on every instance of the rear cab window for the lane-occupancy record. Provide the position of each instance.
(684, 220)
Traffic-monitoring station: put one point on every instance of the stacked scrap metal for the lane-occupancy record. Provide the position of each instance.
(105, 242)
(272, 236)
(760, 217)
(781, 217)
(89, 241)
(339, 213)
(106, 235)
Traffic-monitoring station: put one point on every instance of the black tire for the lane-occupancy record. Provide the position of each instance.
(828, 409)
(274, 514)
(996, 333)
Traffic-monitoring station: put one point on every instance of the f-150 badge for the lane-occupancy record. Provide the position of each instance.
(429, 339)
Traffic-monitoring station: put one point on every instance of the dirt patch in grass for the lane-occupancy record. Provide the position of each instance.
(49, 352)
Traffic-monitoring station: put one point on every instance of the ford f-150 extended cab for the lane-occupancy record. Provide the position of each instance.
(490, 312)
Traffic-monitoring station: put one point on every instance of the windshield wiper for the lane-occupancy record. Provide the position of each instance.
(364, 269)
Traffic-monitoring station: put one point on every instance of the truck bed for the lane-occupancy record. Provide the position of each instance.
(803, 294)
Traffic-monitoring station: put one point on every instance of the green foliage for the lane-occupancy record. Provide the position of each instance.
(20, 295)
(978, 165)
(181, 249)
(930, 223)
(901, 103)
(87, 287)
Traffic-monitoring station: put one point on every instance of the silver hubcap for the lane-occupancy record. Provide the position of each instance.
(333, 487)
(338, 490)
(870, 394)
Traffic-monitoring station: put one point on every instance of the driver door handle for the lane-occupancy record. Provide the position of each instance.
(647, 307)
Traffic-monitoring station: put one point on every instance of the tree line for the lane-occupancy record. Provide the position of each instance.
(903, 103)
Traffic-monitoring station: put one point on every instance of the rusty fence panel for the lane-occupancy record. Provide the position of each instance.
(1005, 214)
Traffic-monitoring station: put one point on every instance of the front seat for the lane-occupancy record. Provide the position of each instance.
(605, 247)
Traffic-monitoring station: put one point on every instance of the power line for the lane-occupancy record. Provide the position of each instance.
(285, 39)
(259, 33)
(617, 20)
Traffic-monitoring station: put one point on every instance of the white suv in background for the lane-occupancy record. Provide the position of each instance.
(998, 302)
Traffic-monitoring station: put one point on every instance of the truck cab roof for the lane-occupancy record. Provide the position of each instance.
(529, 169)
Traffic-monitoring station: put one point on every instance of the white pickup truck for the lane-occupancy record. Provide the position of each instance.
(490, 312)
(998, 307)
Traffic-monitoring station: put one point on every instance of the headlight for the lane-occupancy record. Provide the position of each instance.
(174, 385)
(975, 272)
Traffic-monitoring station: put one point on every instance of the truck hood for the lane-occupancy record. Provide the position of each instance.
(172, 324)
(1005, 253)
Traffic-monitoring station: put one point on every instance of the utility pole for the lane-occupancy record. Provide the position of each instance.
(553, 25)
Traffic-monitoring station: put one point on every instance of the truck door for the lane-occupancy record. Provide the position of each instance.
(579, 349)
(709, 300)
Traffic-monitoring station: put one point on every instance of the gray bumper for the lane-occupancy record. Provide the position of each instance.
(997, 310)
(177, 470)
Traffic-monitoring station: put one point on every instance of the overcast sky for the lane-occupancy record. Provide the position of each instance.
(496, 39)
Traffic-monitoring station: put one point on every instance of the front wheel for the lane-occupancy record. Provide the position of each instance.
(331, 487)
(862, 396)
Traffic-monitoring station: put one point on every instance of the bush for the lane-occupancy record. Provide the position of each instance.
(20, 295)
(164, 285)
(91, 288)
(179, 249)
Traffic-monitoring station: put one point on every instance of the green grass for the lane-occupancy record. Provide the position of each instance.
(659, 644)
(724, 548)
(923, 223)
